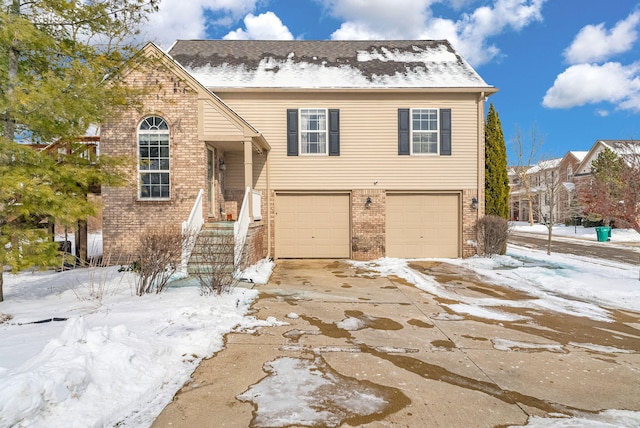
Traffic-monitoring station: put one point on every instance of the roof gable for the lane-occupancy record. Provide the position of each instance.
(326, 64)
(620, 147)
(152, 51)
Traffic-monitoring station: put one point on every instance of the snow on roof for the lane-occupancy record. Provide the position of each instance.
(579, 154)
(544, 165)
(326, 64)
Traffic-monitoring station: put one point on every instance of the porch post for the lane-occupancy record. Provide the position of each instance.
(248, 173)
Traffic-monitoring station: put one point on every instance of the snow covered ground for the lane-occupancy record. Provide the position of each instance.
(109, 357)
(586, 233)
(82, 343)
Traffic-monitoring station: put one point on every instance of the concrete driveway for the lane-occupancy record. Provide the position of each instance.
(361, 350)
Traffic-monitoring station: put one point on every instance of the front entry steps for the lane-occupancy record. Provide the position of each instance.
(213, 252)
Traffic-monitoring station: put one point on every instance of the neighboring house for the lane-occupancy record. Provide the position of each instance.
(568, 204)
(518, 200)
(545, 185)
(541, 184)
(626, 149)
(620, 147)
(86, 147)
(349, 149)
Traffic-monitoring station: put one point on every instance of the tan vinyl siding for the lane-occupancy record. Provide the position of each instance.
(234, 175)
(215, 123)
(368, 141)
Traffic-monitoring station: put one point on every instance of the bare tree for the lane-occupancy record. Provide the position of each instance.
(527, 149)
(548, 191)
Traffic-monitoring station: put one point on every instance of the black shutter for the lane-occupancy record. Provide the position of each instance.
(445, 131)
(403, 131)
(334, 132)
(292, 132)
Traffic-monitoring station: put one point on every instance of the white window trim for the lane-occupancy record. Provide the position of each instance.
(141, 171)
(326, 132)
(437, 152)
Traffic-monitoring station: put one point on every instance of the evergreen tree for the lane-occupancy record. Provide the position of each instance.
(496, 184)
(55, 58)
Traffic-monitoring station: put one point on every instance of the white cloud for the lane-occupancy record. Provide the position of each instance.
(591, 83)
(266, 26)
(586, 82)
(379, 19)
(596, 43)
(412, 19)
(474, 30)
(180, 19)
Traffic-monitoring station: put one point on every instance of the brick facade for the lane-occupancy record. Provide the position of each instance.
(255, 246)
(470, 218)
(368, 224)
(126, 217)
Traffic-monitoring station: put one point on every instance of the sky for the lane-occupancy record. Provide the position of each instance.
(568, 71)
(111, 358)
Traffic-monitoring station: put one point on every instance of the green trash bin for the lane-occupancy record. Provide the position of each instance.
(603, 233)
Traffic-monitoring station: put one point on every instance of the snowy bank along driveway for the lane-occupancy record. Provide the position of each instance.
(522, 339)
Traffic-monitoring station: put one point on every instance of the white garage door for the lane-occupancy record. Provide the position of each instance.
(423, 225)
(312, 226)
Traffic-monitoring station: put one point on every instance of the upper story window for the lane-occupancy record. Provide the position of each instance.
(313, 131)
(569, 173)
(153, 158)
(424, 131)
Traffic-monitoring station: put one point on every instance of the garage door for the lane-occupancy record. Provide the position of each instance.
(422, 225)
(312, 226)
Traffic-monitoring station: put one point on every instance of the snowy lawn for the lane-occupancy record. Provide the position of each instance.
(70, 360)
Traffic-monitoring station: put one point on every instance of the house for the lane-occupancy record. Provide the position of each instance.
(326, 149)
(535, 189)
(629, 151)
(568, 208)
(518, 199)
(624, 148)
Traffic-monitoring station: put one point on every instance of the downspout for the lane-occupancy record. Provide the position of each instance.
(267, 154)
(481, 155)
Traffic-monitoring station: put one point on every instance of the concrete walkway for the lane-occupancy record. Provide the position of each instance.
(385, 353)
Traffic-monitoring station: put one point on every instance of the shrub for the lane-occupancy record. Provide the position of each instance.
(157, 258)
(493, 232)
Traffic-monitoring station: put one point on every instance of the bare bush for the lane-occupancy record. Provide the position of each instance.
(5, 317)
(493, 232)
(212, 262)
(157, 258)
(99, 282)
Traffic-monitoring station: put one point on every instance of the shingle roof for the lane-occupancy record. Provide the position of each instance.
(326, 64)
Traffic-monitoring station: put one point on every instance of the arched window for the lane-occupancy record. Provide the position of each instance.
(153, 158)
